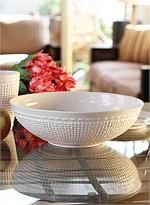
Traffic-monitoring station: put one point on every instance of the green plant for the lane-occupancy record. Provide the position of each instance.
(50, 7)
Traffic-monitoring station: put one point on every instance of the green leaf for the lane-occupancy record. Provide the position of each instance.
(23, 74)
(20, 154)
(15, 67)
(25, 61)
(20, 67)
(22, 88)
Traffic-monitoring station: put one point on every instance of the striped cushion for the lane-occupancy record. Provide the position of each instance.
(145, 49)
(135, 44)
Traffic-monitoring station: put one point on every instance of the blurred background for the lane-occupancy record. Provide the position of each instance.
(77, 25)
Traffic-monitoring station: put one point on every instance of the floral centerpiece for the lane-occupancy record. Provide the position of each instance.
(38, 73)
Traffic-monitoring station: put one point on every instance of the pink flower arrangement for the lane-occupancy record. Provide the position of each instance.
(47, 76)
(38, 73)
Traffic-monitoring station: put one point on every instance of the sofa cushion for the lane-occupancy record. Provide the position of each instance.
(115, 77)
(135, 44)
(6, 61)
(27, 36)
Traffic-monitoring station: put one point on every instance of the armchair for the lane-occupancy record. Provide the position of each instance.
(104, 54)
(19, 38)
(118, 69)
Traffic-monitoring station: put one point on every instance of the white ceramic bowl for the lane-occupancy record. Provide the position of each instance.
(76, 118)
(9, 87)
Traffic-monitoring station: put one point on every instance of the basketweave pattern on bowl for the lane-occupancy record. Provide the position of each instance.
(9, 87)
(8, 91)
(77, 131)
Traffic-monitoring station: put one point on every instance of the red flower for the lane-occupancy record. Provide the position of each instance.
(25, 140)
(47, 76)
(41, 84)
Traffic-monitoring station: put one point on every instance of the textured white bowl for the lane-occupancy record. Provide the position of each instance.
(9, 87)
(76, 118)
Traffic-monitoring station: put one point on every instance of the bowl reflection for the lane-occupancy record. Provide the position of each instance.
(99, 174)
(8, 161)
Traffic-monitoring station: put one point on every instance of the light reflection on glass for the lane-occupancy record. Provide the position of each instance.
(10, 196)
(129, 148)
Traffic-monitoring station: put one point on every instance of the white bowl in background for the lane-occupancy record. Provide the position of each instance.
(9, 87)
(76, 119)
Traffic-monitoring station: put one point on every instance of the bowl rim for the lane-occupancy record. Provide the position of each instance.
(9, 76)
(9, 73)
(59, 112)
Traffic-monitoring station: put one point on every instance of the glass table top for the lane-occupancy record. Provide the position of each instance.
(116, 172)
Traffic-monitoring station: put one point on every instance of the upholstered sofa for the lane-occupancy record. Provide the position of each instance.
(118, 69)
(19, 38)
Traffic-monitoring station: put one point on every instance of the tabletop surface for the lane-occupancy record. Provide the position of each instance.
(117, 172)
